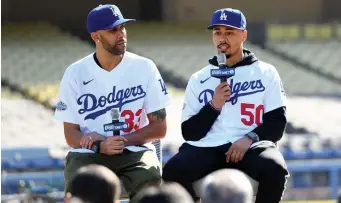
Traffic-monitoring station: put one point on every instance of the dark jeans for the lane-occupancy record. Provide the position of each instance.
(263, 163)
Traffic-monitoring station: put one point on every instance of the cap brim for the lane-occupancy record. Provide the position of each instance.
(213, 25)
(119, 22)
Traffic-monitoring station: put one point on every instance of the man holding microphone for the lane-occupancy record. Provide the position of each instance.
(234, 122)
(104, 89)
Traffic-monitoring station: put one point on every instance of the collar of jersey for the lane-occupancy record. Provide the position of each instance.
(102, 69)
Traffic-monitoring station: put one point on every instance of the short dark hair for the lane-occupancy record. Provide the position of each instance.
(166, 193)
(95, 184)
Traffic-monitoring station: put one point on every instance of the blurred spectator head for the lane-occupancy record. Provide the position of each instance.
(95, 184)
(166, 193)
(339, 197)
(227, 185)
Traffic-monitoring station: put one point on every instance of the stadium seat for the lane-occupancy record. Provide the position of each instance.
(190, 48)
(325, 150)
(309, 52)
(19, 164)
(29, 158)
(32, 181)
(46, 163)
(39, 63)
(5, 164)
(40, 189)
(24, 153)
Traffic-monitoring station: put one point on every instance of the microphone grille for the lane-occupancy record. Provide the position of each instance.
(221, 58)
(115, 113)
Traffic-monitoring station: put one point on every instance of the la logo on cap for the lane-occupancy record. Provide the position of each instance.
(114, 11)
(223, 16)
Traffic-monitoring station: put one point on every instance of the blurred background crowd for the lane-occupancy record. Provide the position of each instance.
(40, 39)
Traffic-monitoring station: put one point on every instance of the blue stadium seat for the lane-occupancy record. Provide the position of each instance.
(9, 188)
(326, 150)
(25, 153)
(337, 153)
(302, 154)
(5, 164)
(45, 163)
(323, 154)
(41, 189)
(60, 163)
(33, 180)
(290, 153)
(19, 164)
(28, 158)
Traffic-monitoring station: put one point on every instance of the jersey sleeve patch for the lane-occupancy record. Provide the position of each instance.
(61, 106)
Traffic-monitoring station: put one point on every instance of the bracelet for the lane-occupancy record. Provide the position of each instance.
(253, 136)
(214, 106)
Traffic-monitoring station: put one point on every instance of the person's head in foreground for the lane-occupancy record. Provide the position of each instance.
(227, 186)
(95, 184)
(106, 25)
(228, 31)
(165, 193)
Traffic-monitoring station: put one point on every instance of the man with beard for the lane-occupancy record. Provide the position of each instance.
(234, 123)
(113, 78)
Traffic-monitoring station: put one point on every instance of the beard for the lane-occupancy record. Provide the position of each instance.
(232, 49)
(113, 49)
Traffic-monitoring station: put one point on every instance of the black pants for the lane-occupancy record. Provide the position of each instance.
(263, 163)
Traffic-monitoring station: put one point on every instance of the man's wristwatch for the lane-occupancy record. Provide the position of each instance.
(253, 136)
(97, 146)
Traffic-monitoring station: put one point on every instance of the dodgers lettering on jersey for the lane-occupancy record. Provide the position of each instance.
(90, 102)
(238, 89)
(88, 93)
(255, 90)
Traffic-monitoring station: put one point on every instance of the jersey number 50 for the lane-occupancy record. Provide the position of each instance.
(251, 114)
(130, 119)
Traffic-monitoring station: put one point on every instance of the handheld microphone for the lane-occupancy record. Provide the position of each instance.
(116, 126)
(223, 72)
(221, 58)
(115, 116)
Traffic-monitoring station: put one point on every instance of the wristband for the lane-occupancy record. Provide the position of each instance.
(97, 147)
(253, 136)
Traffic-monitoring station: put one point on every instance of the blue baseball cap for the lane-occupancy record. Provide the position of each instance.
(228, 17)
(104, 17)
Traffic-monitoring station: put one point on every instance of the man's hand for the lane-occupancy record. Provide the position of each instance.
(222, 93)
(113, 145)
(238, 149)
(88, 139)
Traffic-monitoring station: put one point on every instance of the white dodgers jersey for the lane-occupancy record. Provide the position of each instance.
(88, 93)
(255, 90)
